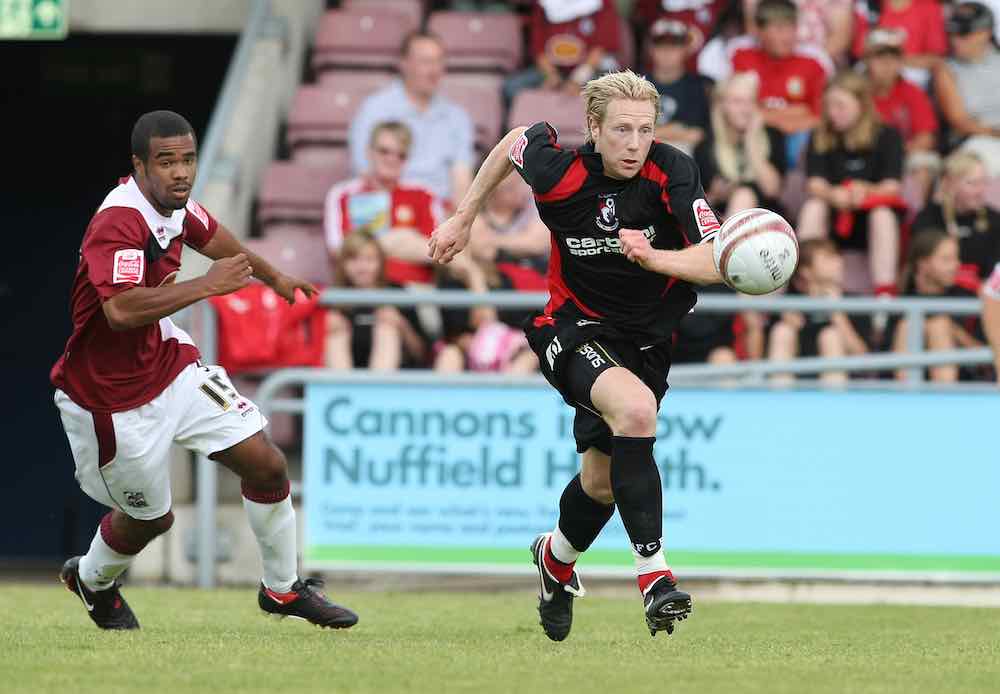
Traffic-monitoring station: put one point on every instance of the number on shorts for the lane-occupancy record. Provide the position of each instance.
(222, 395)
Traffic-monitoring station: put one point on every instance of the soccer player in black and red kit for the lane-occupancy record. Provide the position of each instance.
(631, 235)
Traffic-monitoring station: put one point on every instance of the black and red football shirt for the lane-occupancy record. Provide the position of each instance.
(584, 209)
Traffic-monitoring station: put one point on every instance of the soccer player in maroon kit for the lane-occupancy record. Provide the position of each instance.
(631, 233)
(130, 382)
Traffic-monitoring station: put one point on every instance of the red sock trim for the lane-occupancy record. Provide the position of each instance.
(558, 570)
(267, 496)
(886, 290)
(114, 542)
(647, 580)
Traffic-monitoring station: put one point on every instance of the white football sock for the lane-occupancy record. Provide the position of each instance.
(274, 526)
(101, 565)
(562, 549)
(647, 565)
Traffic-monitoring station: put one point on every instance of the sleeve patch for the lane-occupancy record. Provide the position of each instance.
(516, 152)
(198, 211)
(707, 222)
(128, 267)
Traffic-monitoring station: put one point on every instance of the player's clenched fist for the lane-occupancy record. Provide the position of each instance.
(229, 274)
(635, 247)
(449, 239)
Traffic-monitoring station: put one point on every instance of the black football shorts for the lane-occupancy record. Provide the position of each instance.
(572, 360)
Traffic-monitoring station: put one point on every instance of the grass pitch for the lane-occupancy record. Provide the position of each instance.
(477, 642)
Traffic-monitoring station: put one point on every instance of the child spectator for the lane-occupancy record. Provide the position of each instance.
(820, 273)
(571, 42)
(700, 15)
(921, 23)
(791, 80)
(967, 85)
(683, 95)
(379, 338)
(743, 160)
(823, 25)
(931, 268)
(903, 105)
(399, 216)
(509, 230)
(854, 166)
(960, 210)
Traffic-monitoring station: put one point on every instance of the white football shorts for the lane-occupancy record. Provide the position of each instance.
(122, 459)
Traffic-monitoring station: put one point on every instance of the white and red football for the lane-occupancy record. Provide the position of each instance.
(756, 251)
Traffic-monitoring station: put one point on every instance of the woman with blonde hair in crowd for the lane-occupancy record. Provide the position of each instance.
(854, 167)
(960, 209)
(742, 161)
(379, 338)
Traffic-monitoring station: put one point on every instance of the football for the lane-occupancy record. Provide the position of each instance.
(756, 251)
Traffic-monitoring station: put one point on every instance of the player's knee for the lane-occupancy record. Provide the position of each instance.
(272, 473)
(596, 483)
(636, 415)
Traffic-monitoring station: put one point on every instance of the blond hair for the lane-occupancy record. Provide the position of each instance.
(959, 165)
(862, 134)
(600, 92)
(729, 147)
(398, 129)
(354, 243)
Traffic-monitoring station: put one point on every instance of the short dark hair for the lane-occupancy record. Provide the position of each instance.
(157, 124)
(775, 10)
(416, 35)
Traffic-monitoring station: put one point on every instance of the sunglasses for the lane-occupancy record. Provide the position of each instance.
(390, 152)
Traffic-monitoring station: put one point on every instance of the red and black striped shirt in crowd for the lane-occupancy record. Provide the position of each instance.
(584, 211)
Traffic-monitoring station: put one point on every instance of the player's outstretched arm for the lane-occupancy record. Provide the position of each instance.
(449, 239)
(224, 245)
(145, 305)
(693, 264)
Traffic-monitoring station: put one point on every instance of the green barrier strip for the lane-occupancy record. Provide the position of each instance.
(678, 558)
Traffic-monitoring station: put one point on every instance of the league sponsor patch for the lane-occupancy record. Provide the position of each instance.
(707, 222)
(516, 152)
(128, 266)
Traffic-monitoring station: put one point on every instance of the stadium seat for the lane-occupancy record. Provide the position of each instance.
(367, 38)
(334, 157)
(322, 113)
(413, 9)
(293, 191)
(479, 40)
(481, 100)
(298, 254)
(564, 113)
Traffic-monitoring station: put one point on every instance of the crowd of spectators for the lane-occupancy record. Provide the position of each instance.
(874, 127)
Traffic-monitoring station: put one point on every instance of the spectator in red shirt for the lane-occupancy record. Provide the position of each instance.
(903, 105)
(854, 166)
(824, 25)
(571, 42)
(922, 25)
(791, 82)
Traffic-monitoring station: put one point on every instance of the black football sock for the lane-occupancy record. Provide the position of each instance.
(635, 481)
(581, 519)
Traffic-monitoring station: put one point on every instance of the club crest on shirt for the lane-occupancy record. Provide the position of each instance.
(607, 218)
(405, 214)
(127, 266)
(795, 87)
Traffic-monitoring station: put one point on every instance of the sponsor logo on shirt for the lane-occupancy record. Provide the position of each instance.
(516, 152)
(599, 245)
(606, 217)
(128, 266)
(707, 222)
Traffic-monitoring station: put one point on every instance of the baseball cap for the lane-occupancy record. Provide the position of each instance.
(672, 30)
(884, 41)
(969, 17)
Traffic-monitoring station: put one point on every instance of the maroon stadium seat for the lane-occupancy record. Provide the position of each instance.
(564, 113)
(481, 100)
(323, 155)
(367, 37)
(479, 40)
(292, 191)
(298, 254)
(413, 9)
(322, 113)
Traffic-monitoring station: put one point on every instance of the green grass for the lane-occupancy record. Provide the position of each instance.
(478, 642)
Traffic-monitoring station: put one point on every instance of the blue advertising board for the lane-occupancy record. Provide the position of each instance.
(462, 477)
